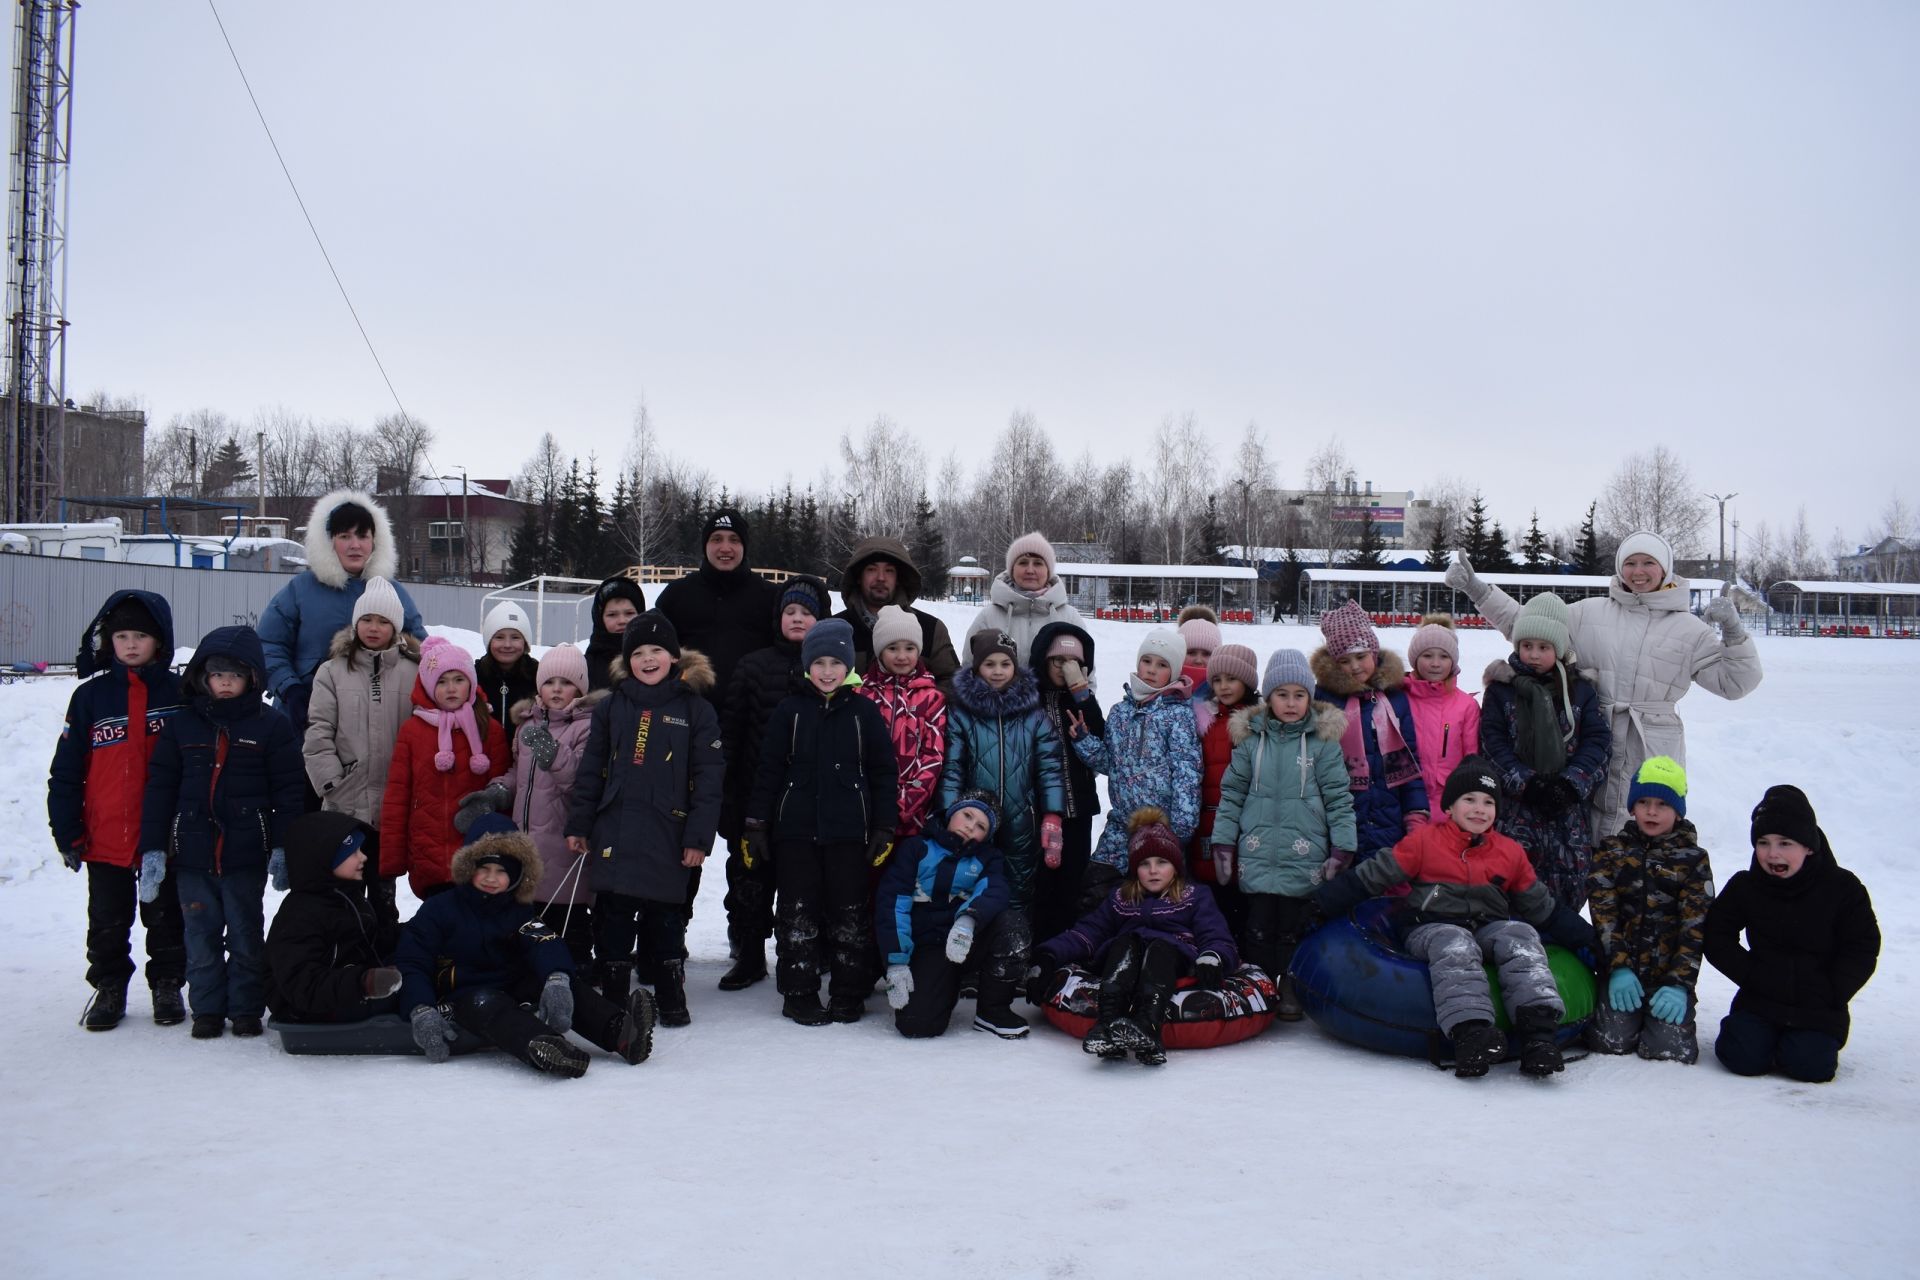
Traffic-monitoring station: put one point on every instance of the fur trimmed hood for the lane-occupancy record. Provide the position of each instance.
(579, 708)
(346, 646)
(1329, 722)
(1388, 676)
(516, 844)
(326, 566)
(982, 699)
(695, 671)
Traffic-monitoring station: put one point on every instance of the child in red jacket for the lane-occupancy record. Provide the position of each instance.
(1233, 675)
(915, 710)
(449, 747)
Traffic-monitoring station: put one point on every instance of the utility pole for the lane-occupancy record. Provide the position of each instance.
(1723, 499)
(260, 446)
(466, 534)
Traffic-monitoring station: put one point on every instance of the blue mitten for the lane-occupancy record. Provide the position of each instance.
(1624, 992)
(277, 869)
(556, 1002)
(153, 870)
(1669, 1004)
(432, 1032)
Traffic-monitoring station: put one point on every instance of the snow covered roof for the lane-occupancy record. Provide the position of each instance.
(449, 487)
(1426, 577)
(1813, 587)
(1203, 572)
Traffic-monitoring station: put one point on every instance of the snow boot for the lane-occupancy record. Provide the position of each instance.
(805, 1010)
(616, 980)
(1001, 1020)
(1101, 1043)
(1477, 1045)
(749, 967)
(670, 993)
(208, 1026)
(846, 1008)
(247, 1024)
(1540, 1045)
(633, 1030)
(1130, 1035)
(1154, 1055)
(108, 1006)
(168, 1009)
(1286, 1005)
(558, 1056)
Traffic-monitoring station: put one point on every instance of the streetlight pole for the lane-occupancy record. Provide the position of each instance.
(1723, 499)
(466, 534)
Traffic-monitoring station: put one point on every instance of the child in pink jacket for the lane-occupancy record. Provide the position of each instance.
(915, 710)
(1446, 721)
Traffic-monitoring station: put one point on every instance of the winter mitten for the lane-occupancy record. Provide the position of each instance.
(1341, 894)
(277, 869)
(754, 851)
(380, 983)
(1624, 992)
(1334, 866)
(1041, 982)
(153, 870)
(1414, 821)
(1537, 792)
(1209, 971)
(879, 848)
(1073, 673)
(72, 857)
(1460, 575)
(492, 798)
(899, 985)
(1222, 863)
(960, 939)
(540, 743)
(1669, 1004)
(1721, 613)
(1566, 796)
(1053, 838)
(432, 1032)
(556, 1002)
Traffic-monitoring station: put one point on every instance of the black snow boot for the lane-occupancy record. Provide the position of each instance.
(247, 1024)
(208, 1026)
(108, 1006)
(1286, 1005)
(846, 1009)
(805, 1010)
(168, 1009)
(749, 967)
(1101, 1042)
(1540, 1055)
(632, 1035)
(558, 1056)
(1151, 997)
(1477, 1045)
(670, 993)
(616, 980)
(1001, 1020)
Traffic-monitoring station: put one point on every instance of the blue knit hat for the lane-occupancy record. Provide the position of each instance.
(1287, 666)
(830, 638)
(1661, 778)
(981, 800)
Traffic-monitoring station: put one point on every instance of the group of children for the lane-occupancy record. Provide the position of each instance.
(937, 837)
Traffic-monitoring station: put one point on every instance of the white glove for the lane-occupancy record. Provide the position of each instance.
(1460, 575)
(899, 985)
(960, 939)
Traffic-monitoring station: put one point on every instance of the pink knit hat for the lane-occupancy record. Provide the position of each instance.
(437, 657)
(1030, 544)
(1348, 630)
(565, 662)
(1238, 661)
(1435, 632)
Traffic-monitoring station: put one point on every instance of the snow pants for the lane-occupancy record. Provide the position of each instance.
(503, 1020)
(824, 920)
(1275, 925)
(113, 903)
(1056, 892)
(225, 917)
(1137, 978)
(999, 955)
(1640, 1032)
(574, 924)
(1460, 992)
(749, 904)
(621, 922)
(1750, 1045)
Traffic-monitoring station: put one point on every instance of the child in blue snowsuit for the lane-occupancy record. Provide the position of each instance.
(941, 893)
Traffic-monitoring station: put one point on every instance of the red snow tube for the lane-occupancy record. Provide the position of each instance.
(1198, 1019)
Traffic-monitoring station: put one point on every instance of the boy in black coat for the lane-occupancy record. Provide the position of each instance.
(1811, 943)
(824, 806)
(327, 952)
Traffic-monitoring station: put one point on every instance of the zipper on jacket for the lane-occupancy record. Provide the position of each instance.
(1446, 736)
(213, 785)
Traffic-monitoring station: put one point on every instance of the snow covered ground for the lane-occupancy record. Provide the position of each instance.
(749, 1146)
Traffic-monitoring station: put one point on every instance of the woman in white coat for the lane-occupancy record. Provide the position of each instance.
(1643, 648)
(1026, 597)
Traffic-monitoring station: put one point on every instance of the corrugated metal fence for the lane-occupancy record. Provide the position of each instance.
(46, 602)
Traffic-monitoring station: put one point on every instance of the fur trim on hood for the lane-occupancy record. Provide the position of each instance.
(346, 646)
(517, 844)
(326, 566)
(1389, 675)
(522, 711)
(696, 672)
(1329, 722)
(982, 699)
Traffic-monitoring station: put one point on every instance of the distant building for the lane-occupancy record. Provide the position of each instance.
(1394, 511)
(1888, 560)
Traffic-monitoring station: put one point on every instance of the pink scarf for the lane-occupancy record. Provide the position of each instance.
(1401, 767)
(445, 721)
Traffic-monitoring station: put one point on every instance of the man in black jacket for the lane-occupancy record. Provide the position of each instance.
(723, 608)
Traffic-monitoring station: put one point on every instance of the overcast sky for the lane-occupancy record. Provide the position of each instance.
(1507, 242)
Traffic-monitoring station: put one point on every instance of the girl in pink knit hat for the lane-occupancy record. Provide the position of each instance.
(1446, 719)
(1381, 743)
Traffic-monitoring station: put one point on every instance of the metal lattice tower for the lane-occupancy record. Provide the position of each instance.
(36, 371)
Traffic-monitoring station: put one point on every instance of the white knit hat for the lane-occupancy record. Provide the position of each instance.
(894, 623)
(380, 599)
(1645, 544)
(502, 617)
(1167, 643)
(1030, 544)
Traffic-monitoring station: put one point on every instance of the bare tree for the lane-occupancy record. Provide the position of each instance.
(1020, 480)
(885, 475)
(1252, 481)
(1655, 491)
(1439, 521)
(643, 527)
(1329, 481)
(346, 457)
(399, 444)
(1178, 486)
(958, 508)
(296, 462)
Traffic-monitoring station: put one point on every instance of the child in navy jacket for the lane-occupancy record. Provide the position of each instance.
(940, 892)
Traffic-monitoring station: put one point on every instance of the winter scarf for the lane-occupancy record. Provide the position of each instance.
(1399, 763)
(1542, 744)
(446, 722)
(1180, 688)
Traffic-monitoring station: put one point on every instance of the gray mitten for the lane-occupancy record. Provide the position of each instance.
(540, 743)
(432, 1032)
(1721, 613)
(1460, 575)
(492, 798)
(153, 870)
(556, 1002)
(277, 869)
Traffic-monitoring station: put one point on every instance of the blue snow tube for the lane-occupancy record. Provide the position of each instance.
(1356, 982)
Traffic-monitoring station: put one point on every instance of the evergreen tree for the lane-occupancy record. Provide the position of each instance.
(612, 558)
(1475, 538)
(228, 468)
(928, 546)
(589, 524)
(1586, 553)
(1439, 553)
(809, 550)
(1533, 547)
(1366, 555)
(566, 522)
(1211, 537)
(527, 552)
(1286, 581)
(1499, 559)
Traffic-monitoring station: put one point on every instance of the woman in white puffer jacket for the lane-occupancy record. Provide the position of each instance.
(1643, 649)
(1025, 598)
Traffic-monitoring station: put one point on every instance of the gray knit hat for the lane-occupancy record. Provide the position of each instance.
(1545, 618)
(1287, 666)
(894, 623)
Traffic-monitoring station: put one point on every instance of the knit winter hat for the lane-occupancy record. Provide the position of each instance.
(130, 615)
(1475, 773)
(1436, 632)
(806, 593)
(1661, 778)
(347, 847)
(1149, 836)
(651, 627)
(725, 518)
(1348, 630)
(504, 616)
(1166, 643)
(1645, 544)
(1545, 618)
(1200, 627)
(616, 588)
(439, 655)
(893, 624)
(1786, 811)
(225, 664)
(981, 800)
(381, 600)
(565, 662)
(494, 824)
(982, 645)
(1030, 544)
(1287, 666)
(1067, 645)
(1235, 660)
(830, 638)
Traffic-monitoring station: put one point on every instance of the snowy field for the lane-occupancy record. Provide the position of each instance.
(749, 1146)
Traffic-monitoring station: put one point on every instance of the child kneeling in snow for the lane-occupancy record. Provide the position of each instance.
(1649, 893)
(1812, 942)
(482, 948)
(940, 896)
(1148, 934)
(328, 949)
(1468, 881)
